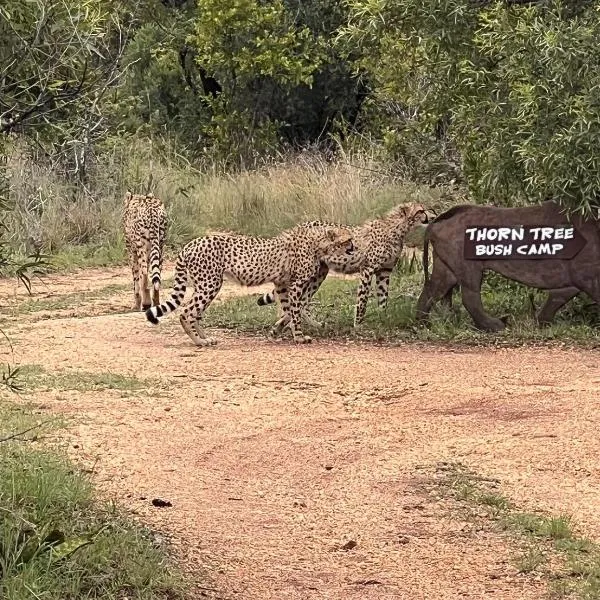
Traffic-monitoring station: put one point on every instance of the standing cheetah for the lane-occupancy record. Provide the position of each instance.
(378, 247)
(290, 260)
(144, 225)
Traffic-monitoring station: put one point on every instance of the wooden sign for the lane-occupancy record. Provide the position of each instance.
(560, 242)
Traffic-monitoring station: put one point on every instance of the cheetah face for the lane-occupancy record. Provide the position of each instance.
(339, 241)
(417, 213)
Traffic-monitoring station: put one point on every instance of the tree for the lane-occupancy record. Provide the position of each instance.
(58, 58)
(515, 85)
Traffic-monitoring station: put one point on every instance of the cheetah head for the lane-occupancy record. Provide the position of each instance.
(338, 240)
(412, 212)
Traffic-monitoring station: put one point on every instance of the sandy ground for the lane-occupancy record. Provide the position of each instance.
(274, 456)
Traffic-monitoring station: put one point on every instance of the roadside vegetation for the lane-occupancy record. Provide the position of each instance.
(57, 541)
(547, 547)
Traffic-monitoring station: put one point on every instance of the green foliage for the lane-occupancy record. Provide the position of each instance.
(58, 58)
(516, 87)
(243, 40)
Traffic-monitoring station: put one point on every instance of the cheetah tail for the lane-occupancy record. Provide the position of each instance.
(155, 265)
(177, 294)
(268, 298)
(426, 254)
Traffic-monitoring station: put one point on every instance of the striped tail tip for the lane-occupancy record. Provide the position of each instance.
(265, 299)
(152, 314)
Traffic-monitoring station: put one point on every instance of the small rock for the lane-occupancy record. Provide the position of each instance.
(349, 545)
(328, 467)
(160, 503)
(167, 408)
(403, 539)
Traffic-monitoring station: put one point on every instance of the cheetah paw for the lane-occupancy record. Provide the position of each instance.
(205, 342)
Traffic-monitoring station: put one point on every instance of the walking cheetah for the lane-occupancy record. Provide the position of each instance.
(290, 260)
(378, 246)
(144, 225)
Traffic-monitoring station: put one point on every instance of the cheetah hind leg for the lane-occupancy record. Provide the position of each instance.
(137, 296)
(155, 297)
(192, 313)
(307, 319)
(195, 332)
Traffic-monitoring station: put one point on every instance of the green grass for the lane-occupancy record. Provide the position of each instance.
(70, 300)
(530, 560)
(44, 500)
(333, 305)
(99, 254)
(33, 377)
(547, 544)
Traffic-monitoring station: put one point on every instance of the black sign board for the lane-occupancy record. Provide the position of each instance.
(561, 242)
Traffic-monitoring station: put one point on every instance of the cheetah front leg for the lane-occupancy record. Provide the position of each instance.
(311, 288)
(362, 296)
(296, 297)
(283, 310)
(308, 290)
(382, 285)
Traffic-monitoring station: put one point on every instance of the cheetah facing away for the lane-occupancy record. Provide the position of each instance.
(378, 245)
(144, 225)
(290, 261)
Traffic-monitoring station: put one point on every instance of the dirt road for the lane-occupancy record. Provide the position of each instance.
(276, 456)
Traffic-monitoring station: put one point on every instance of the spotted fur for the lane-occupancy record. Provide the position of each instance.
(378, 247)
(144, 226)
(290, 260)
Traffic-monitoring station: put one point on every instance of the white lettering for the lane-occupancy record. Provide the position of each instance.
(492, 234)
(518, 234)
(556, 248)
(559, 233)
(507, 251)
(503, 233)
(481, 234)
(522, 249)
(535, 231)
(543, 249)
(471, 232)
(547, 233)
(569, 233)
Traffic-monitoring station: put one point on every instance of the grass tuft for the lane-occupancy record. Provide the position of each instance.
(35, 376)
(57, 542)
(548, 547)
(530, 560)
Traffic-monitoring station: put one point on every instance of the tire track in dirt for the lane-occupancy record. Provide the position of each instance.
(275, 455)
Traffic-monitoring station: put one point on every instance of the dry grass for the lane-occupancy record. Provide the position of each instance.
(81, 223)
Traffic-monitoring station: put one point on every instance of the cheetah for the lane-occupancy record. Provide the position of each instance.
(290, 260)
(378, 246)
(144, 225)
